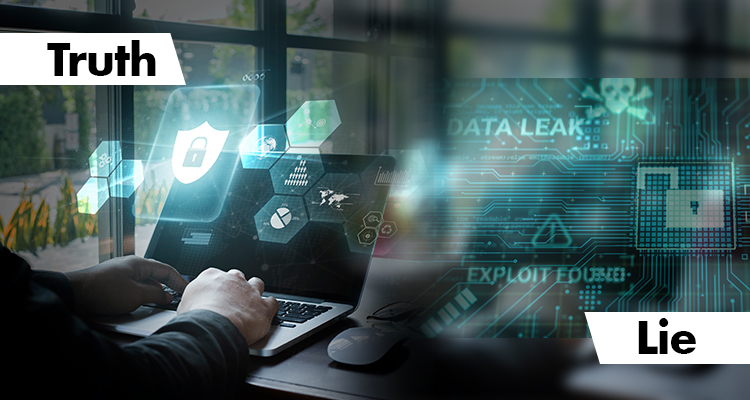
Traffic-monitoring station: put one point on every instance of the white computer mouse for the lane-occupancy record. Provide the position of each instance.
(362, 346)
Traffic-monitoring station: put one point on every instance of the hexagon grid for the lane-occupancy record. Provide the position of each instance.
(110, 176)
(362, 228)
(280, 219)
(263, 146)
(312, 123)
(296, 173)
(335, 197)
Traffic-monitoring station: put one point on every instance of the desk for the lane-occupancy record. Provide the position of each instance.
(421, 368)
(471, 368)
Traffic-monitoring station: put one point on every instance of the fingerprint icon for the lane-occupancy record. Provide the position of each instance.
(281, 218)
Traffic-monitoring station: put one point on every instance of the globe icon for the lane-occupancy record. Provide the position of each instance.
(265, 145)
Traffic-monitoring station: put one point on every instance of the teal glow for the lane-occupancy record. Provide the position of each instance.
(105, 159)
(263, 146)
(92, 196)
(126, 178)
(313, 123)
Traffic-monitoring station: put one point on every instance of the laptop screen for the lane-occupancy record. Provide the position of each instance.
(306, 225)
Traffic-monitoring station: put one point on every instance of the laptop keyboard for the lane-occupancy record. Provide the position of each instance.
(290, 312)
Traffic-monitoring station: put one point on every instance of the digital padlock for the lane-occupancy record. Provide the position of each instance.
(195, 155)
(692, 209)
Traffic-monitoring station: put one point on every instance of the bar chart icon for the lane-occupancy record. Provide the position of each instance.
(395, 178)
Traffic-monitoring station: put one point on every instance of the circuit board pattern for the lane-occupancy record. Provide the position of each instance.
(551, 197)
(671, 217)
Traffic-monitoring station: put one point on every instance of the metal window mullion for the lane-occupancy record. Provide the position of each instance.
(272, 56)
(115, 123)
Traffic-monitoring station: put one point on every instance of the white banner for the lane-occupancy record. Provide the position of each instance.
(89, 59)
(670, 337)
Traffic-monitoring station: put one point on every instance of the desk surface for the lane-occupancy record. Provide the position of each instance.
(419, 368)
(471, 368)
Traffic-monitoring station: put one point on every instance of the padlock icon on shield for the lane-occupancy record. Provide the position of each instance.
(195, 155)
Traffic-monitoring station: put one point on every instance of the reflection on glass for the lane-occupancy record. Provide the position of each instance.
(327, 18)
(329, 75)
(48, 133)
(230, 13)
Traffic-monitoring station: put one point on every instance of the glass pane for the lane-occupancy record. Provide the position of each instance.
(472, 57)
(410, 103)
(202, 64)
(327, 18)
(739, 29)
(47, 136)
(662, 20)
(412, 23)
(645, 63)
(329, 75)
(72, 5)
(547, 15)
(232, 13)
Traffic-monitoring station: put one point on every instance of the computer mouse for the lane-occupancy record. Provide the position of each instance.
(362, 346)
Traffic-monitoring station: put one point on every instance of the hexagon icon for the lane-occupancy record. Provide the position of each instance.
(372, 219)
(105, 159)
(296, 173)
(335, 197)
(92, 195)
(361, 229)
(387, 229)
(312, 123)
(367, 236)
(280, 219)
(263, 146)
(126, 178)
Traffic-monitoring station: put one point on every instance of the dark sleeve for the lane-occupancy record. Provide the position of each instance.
(50, 351)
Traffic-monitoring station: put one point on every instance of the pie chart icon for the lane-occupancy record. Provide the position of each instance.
(281, 218)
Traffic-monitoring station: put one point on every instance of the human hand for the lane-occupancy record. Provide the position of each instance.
(229, 294)
(121, 285)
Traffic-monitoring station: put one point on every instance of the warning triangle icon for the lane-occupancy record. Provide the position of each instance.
(552, 234)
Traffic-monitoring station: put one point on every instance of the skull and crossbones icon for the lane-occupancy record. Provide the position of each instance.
(617, 95)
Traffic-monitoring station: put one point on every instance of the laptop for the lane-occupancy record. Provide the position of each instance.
(306, 224)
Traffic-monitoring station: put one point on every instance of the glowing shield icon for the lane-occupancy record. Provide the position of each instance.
(195, 152)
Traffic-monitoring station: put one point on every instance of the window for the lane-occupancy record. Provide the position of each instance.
(48, 133)
(294, 51)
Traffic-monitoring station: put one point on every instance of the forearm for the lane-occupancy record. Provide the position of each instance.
(199, 354)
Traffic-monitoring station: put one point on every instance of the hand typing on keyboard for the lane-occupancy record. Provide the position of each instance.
(229, 294)
(121, 285)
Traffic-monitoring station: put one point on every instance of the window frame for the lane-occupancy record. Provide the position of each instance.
(115, 108)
